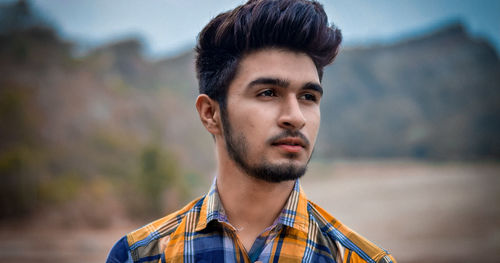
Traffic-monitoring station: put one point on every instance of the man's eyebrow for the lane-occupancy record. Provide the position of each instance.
(284, 83)
(313, 86)
(270, 81)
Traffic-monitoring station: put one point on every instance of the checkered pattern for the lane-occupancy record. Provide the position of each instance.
(200, 232)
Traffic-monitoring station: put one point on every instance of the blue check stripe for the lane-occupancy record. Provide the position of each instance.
(153, 236)
(347, 242)
(149, 258)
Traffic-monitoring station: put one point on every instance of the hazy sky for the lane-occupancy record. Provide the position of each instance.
(170, 25)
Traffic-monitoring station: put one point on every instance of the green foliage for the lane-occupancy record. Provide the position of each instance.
(159, 171)
(158, 187)
(62, 188)
(114, 153)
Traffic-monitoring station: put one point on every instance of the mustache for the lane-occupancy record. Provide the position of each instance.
(287, 134)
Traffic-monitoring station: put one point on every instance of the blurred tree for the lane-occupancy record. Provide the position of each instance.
(158, 180)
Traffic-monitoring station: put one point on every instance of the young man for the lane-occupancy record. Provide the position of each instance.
(259, 68)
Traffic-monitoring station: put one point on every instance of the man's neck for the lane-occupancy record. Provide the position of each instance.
(251, 204)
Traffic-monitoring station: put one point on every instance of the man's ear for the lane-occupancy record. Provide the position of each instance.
(209, 112)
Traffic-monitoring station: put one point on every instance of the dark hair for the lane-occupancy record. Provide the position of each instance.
(295, 25)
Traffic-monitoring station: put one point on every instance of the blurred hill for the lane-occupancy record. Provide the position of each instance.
(76, 128)
(436, 96)
(91, 128)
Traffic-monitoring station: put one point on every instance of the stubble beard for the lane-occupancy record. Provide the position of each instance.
(237, 146)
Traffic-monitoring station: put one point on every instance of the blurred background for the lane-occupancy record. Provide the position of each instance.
(99, 134)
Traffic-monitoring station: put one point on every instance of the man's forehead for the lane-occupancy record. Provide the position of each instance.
(278, 64)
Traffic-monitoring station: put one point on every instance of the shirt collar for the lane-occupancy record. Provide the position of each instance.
(294, 213)
(211, 209)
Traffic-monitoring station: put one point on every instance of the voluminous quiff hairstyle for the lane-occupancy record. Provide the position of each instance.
(295, 25)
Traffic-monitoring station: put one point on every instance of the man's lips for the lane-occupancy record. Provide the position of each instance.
(294, 141)
(290, 141)
(290, 144)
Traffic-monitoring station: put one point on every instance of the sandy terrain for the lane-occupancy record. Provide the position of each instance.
(420, 212)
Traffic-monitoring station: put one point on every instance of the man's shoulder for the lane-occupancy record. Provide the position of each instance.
(354, 247)
(148, 241)
(160, 227)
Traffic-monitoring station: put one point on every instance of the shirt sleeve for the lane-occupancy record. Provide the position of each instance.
(120, 253)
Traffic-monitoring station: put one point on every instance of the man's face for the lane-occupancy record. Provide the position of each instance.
(272, 115)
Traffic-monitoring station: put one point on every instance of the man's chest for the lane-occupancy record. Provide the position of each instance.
(221, 245)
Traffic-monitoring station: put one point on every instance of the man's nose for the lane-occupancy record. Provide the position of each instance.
(291, 117)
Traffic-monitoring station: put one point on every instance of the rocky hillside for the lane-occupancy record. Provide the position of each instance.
(435, 97)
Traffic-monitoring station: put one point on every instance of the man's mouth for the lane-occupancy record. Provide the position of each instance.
(290, 144)
(290, 141)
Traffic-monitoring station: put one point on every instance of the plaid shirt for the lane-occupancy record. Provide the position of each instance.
(200, 232)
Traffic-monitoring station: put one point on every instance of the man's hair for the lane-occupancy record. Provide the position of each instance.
(295, 25)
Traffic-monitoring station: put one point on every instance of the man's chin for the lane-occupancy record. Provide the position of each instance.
(276, 173)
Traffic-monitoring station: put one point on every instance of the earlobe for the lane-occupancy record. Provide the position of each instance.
(208, 110)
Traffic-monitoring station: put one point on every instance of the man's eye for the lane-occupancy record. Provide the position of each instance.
(267, 93)
(309, 96)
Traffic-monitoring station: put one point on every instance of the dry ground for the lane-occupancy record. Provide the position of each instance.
(421, 212)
